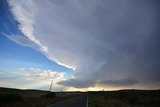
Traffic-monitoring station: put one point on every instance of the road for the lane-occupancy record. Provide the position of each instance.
(81, 101)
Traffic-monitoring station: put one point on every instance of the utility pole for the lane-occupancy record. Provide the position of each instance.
(51, 86)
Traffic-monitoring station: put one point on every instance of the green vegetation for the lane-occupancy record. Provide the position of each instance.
(125, 98)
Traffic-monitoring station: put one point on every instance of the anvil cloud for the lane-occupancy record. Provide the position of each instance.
(107, 42)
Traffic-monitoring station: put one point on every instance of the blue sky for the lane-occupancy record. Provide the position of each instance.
(80, 45)
(14, 56)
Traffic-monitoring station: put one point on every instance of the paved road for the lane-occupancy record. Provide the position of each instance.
(81, 101)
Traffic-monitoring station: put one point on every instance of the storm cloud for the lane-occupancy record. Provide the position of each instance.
(123, 82)
(76, 83)
(103, 40)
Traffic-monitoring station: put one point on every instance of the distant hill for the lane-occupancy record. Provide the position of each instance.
(28, 93)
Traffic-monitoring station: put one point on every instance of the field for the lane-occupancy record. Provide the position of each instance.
(32, 98)
(122, 98)
(125, 98)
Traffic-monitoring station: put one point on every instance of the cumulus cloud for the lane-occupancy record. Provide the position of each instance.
(103, 40)
(33, 78)
(39, 74)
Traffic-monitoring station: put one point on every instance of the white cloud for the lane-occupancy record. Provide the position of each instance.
(103, 40)
(26, 19)
(24, 41)
(39, 74)
(32, 78)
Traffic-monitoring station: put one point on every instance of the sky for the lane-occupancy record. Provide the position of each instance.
(82, 45)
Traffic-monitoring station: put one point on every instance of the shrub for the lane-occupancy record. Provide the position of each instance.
(10, 97)
(50, 95)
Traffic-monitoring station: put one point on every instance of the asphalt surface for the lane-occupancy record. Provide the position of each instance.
(81, 101)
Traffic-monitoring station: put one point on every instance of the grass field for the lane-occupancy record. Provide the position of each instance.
(125, 98)
(122, 98)
(32, 98)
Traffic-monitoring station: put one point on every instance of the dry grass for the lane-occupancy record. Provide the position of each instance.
(35, 98)
(125, 98)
